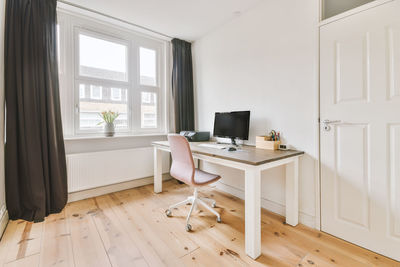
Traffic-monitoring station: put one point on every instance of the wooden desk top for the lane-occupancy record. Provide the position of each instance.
(247, 154)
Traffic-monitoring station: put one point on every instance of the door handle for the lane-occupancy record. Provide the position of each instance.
(328, 123)
(331, 122)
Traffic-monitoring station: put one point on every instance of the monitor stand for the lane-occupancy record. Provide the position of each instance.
(233, 141)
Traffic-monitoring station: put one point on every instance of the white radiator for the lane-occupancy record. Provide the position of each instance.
(90, 170)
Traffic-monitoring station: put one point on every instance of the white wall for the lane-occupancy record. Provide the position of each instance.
(265, 61)
(185, 19)
(3, 216)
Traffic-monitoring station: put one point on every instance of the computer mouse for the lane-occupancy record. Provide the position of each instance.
(231, 149)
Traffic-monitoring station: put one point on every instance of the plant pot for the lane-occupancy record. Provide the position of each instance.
(109, 129)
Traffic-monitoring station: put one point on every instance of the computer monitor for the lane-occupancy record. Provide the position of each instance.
(232, 125)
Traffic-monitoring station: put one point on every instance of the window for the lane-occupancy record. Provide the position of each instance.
(103, 59)
(148, 98)
(332, 8)
(90, 108)
(116, 94)
(96, 92)
(110, 68)
(149, 110)
(82, 91)
(148, 67)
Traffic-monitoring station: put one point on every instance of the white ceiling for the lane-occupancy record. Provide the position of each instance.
(185, 19)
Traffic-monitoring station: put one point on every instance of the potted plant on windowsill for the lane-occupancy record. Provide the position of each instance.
(108, 120)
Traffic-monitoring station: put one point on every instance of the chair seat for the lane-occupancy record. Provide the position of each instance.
(204, 178)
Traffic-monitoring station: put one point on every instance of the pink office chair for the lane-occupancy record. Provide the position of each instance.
(183, 169)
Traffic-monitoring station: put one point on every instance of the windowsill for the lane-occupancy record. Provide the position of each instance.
(116, 136)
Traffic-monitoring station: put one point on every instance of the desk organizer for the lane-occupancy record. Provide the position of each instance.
(265, 142)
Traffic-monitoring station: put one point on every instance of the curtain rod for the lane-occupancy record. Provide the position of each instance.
(111, 17)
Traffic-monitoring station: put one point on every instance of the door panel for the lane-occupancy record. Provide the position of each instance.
(352, 176)
(360, 152)
(394, 146)
(393, 35)
(352, 74)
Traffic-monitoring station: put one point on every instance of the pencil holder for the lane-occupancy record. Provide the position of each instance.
(265, 142)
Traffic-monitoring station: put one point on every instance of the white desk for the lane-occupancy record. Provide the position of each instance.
(253, 161)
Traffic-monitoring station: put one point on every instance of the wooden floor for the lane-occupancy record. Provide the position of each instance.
(129, 228)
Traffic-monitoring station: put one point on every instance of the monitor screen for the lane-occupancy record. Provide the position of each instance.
(232, 124)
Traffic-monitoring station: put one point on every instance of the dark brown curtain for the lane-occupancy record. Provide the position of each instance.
(36, 180)
(182, 85)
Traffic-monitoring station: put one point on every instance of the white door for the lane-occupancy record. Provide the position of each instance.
(360, 152)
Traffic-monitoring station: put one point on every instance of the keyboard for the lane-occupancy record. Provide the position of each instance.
(217, 146)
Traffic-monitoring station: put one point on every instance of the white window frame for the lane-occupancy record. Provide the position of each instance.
(157, 89)
(72, 25)
(91, 31)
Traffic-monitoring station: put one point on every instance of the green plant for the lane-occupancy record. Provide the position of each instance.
(108, 116)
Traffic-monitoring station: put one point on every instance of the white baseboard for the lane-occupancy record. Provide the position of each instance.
(4, 220)
(94, 192)
(267, 204)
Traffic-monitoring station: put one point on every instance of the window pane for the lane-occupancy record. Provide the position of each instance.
(82, 91)
(96, 92)
(101, 100)
(116, 94)
(148, 67)
(149, 110)
(102, 59)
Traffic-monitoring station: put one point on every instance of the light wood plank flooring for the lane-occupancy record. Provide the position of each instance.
(129, 228)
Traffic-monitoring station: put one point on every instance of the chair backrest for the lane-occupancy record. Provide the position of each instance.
(182, 167)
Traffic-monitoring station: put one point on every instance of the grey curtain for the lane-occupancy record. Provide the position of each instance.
(36, 180)
(182, 85)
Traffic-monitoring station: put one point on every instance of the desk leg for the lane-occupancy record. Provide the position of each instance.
(292, 192)
(253, 212)
(157, 170)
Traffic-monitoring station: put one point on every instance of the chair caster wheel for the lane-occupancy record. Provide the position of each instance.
(168, 213)
(219, 220)
(188, 228)
(213, 205)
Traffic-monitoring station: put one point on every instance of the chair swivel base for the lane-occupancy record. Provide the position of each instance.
(194, 201)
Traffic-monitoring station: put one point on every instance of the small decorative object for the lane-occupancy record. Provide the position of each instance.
(271, 141)
(108, 120)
